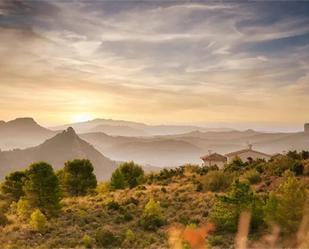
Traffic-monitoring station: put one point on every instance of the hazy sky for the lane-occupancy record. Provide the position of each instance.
(155, 61)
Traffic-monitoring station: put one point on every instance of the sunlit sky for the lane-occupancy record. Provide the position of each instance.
(155, 61)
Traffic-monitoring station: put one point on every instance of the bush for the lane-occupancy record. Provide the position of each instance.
(87, 241)
(113, 205)
(227, 209)
(236, 165)
(3, 219)
(252, 176)
(106, 238)
(217, 181)
(130, 236)
(38, 221)
(103, 188)
(298, 168)
(127, 174)
(152, 217)
(216, 240)
(285, 206)
(77, 177)
(12, 187)
(42, 188)
(279, 165)
(23, 208)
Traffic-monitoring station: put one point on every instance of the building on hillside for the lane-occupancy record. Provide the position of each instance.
(247, 154)
(214, 159)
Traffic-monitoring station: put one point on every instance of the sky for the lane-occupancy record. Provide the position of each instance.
(194, 62)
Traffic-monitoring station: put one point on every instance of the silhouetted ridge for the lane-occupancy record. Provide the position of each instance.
(65, 146)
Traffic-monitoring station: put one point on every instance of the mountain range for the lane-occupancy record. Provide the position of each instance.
(172, 149)
(22, 133)
(64, 146)
(129, 128)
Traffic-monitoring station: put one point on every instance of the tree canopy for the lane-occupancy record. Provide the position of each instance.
(77, 177)
(42, 188)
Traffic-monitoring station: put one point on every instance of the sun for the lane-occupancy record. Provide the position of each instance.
(81, 117)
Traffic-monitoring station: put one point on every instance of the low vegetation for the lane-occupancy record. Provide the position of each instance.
(188, 206)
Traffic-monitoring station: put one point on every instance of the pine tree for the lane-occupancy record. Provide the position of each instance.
(42, 188)
(12, 187)
(117, 180)
(77, 177)
(285, 207)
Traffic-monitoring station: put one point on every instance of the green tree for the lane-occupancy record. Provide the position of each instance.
(42, 188)
(285, 206)
(133, 173)
(117, 180)
(236, 165)
(77, 177)
(152, 217)
(12, 187)
(128, 174)
(227, 209)
(38, 220)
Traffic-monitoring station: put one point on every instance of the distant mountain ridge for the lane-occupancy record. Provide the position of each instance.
(170, 149)
(22, 133)
(65, 146)
(129, 128)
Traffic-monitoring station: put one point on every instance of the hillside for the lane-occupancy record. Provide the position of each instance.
(187, 200)
(22, 133)
(57, 150)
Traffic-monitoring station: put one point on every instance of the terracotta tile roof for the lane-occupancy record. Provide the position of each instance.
(235, 153)
(215, 157)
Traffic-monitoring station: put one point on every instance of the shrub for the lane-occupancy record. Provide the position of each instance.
(42, 188)
(106, 238)
(285, 206)
(236, 165)
(103, 188)
(87, 241)
(23, 208)
(113, 205)
(3, 219)
(152, 217)
(297, 168)
(216, 240)
(227, 209)
(77, 177)
(12, 187)
(128, 174)
(217, 181)
(130, 236)
(279, 165)
(38, 221)
(252, 176)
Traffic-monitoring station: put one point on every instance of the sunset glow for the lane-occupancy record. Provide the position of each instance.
(155, 62)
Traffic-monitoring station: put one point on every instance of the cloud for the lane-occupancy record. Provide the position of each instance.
(154, 59)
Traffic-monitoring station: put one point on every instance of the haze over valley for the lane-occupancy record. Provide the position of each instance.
(23, 141)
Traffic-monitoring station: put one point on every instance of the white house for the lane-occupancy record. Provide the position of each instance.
(247, 154)
(214, 159)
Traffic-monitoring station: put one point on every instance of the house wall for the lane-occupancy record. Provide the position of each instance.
(244, 156)
(212, 163)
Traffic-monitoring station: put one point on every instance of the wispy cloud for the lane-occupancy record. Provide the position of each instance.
(147, 60)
